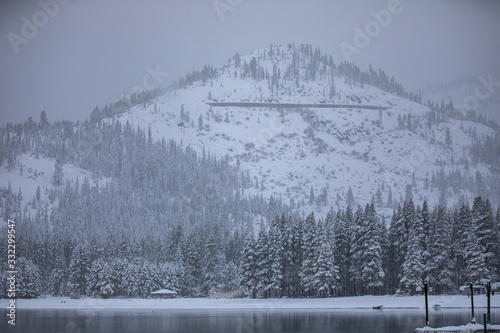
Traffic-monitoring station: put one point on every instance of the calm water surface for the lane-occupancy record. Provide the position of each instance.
(237, 321)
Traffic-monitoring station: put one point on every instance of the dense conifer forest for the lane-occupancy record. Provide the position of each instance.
(157, 215)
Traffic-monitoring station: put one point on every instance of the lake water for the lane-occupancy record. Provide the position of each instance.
(237, 321)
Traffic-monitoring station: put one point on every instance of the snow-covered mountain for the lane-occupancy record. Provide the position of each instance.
(171, 190)
(289, 150)
(296, 123)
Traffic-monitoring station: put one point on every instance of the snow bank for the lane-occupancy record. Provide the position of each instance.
(363, 302)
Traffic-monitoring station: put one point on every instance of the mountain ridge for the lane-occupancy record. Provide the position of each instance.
(273, 114)
(294, 76)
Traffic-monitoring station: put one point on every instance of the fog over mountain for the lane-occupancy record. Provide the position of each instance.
(86, 53)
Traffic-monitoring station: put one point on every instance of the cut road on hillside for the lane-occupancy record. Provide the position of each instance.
(298, 105)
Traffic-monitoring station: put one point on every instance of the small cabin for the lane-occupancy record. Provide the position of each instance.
(163, 293)
(478, 290)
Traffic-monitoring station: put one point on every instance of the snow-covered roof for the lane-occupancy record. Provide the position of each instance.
(164, 292)
(462, 288)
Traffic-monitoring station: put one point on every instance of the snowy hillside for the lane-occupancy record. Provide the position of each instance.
(288, 151)
(32, 180)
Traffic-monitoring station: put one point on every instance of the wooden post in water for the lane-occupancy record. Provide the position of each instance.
(426, 307)
(488, 293)
(472, 303)
(485, 327)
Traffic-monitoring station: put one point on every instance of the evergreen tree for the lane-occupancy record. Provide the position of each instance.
(476, 268)
(38, 193)
(288, 255)
(148, 277)
(213, 263)
(438, 269)
(44, 122)
(78, 270)
(413, 267)
(193, 264)
(57, 282)
(276, 256)
(358, 248)
(498, 220)
(326, 273)
(460, 229)
(342, 249)
(390, 202)
(263, 274)
(297, 250)
(398, 244)
(312, 197)
(118, 268)
(485, 231)
(385, 252)
(58, 278)
(372, 274)
(309, 255)
(231, 276)
(57, 179)
(378, 198)
(424, 226)
(408, 211)
(28, 283)
(100, 279)
(200, 123)
(131, 279)
(447, 139)
(248, 268)
(350, 201)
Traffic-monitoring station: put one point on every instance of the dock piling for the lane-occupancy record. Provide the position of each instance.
(488, 295)
(472, 303)
(426, 307)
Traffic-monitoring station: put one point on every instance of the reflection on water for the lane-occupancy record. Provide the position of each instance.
(239, 321)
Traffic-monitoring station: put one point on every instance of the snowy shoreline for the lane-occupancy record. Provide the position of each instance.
(361, 303)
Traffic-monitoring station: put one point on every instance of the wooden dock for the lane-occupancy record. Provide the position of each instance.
(470, 328)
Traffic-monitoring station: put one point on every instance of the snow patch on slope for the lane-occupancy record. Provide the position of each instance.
(32, 172)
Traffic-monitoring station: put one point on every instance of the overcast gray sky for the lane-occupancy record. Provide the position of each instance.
(84, 53)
